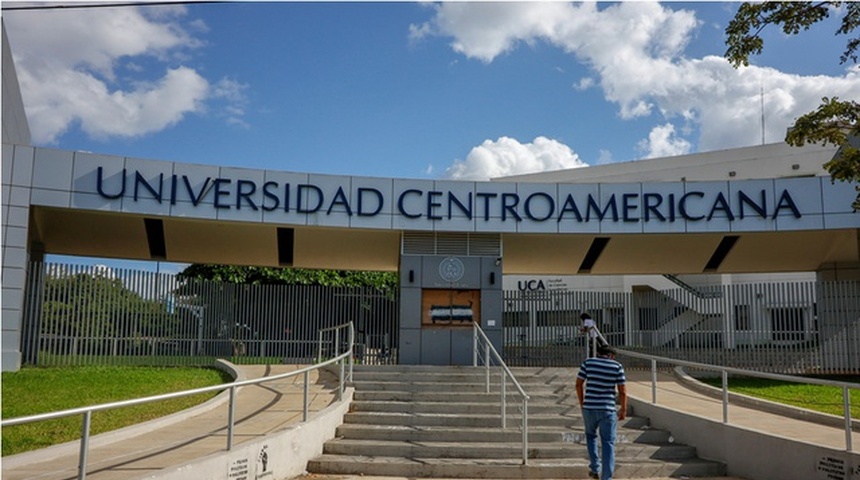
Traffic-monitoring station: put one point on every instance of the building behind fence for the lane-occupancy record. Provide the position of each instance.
(91, 315)
(792, 327)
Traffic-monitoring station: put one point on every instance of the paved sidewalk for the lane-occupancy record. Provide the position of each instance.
(260, 409)
(671, 393)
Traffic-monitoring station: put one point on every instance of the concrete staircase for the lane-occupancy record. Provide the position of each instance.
(425, 421)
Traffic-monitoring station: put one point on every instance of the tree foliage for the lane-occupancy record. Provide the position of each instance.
(834, 122)
(95, 307)
(291, 276)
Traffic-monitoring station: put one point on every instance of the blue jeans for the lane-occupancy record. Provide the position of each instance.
(604, 423)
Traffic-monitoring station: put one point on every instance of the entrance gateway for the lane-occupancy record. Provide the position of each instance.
(450, 241)
(751, 210)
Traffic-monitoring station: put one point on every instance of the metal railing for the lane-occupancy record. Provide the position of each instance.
(725, 371)
(88, 411)
(489, 355)
(336, 335)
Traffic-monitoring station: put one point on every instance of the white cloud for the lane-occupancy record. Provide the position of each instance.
(636, 50)
(507, 156)
(662, 142)
(584, 83)
(233, 93)
(604, 157)
(83, 67)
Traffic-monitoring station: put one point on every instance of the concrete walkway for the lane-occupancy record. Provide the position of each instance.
(264, 409)
(674, 394)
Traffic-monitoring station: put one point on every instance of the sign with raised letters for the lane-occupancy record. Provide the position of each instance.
(486, 201)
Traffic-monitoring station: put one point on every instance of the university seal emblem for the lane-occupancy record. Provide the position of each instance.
(451, 269)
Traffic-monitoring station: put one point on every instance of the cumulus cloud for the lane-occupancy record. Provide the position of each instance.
(507, 156)
(636, 53)
(662, 142)
(83, 67)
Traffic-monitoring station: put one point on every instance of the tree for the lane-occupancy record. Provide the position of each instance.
(384, 281)
(91, 309)
(222, 291)
(835, 121)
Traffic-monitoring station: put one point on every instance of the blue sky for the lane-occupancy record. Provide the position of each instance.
(413, 90)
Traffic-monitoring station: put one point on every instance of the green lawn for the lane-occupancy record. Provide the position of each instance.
(813, 397)
(36, 390)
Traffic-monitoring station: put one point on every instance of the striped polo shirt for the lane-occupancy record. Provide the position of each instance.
(601, 375)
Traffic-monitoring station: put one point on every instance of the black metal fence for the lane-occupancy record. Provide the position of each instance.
(92, 315)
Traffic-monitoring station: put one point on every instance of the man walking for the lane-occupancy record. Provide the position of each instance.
(596, 383)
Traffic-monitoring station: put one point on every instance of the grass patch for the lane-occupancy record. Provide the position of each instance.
(35, 390)
(56, 360)
(820, 398)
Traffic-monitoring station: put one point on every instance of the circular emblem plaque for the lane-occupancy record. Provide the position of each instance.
(451, 269)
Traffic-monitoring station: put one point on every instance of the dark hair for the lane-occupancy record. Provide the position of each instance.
(605, 349)
(584, 316)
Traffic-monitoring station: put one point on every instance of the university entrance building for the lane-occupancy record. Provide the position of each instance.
(764, 210)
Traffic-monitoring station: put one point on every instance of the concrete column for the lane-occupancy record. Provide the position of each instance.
(17, 176)
(447, 346)
(839, 314)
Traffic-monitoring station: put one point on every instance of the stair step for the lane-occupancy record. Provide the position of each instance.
(473, 420)
(477, 376)
(491, 435)
(504, 469)
(484, 408)
(427, 386)
(458, 397)
(471, 450)
(435, 421)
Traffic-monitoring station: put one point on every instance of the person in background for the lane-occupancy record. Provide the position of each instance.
(596, 383)
(589, 328)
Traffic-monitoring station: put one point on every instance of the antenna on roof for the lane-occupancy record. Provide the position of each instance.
(761, 96)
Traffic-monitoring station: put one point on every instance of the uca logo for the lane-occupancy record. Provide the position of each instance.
(451, 269)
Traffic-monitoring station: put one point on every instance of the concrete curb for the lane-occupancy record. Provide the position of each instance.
(113, 436)
(289, 450)
(766, 405)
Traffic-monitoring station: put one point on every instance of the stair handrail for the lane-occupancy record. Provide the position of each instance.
(742, 372)
(349, 346)
(87, 412)
(490, 355)
(594, 340)
(695, 291)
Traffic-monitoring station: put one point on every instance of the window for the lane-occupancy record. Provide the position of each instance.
(516, 319)
(787, 324)
(742, 317)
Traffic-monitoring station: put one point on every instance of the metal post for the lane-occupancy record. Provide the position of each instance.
(231, 416)
(351, 352)
(654, 381)
(725, 396)
(85, 442)
(335, 340)
(525, 431)
(846, 405)
(474, 345)
(319, 346)
(503, 400)
(487, 363)
(340, 381)
(305, 402)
